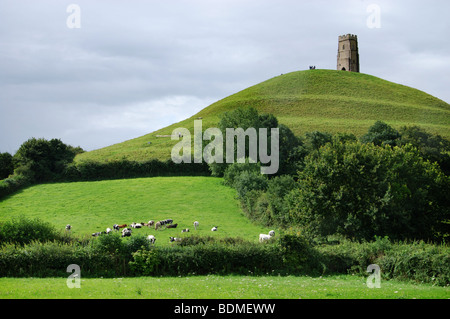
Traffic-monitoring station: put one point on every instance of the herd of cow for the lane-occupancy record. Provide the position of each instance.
(126, 231)
(166, 223)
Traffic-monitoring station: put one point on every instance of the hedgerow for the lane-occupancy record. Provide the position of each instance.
(289, 254)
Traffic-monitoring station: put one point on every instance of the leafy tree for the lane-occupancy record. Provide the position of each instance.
(6, 165)
(249, 181)
(381, 134)
(361, 190)
(42, 159)
(277, 189)
(236, 169)
(432, 147)
(315, 140)
(246, 118)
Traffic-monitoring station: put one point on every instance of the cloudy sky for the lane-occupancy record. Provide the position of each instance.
(102, 72)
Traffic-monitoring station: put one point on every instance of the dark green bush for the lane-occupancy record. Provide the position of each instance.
(361, 191)
(111, 244)
(90, 170)
(248, 181)
(51, 259)
(135, 243)
(6, 165)
(12, 184)
(20, 230)
(416, 261)
(208, 256)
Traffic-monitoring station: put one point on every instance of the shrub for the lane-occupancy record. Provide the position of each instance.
(417, 261)
(298, 255)
(135, 243)
(45, 159)
(381, 134)
(249, 181)
(233, 171)
(6, 165)
(111, 244)
(51, 259)
(13, 184)
(361, 190)
(208, 256)
(145, 262)
(90, 170)
(414, 261)
(22, 231)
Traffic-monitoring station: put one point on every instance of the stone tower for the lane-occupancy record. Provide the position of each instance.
(348, 56)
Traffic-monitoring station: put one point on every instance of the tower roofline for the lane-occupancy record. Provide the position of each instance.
(348, 37)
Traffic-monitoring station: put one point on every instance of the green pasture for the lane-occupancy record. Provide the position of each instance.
(93, 206)
(217, 287)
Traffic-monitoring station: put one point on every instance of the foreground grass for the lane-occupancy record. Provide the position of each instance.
(93, 206)
(217, 287)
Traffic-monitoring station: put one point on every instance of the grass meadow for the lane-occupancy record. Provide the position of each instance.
(93, 206)
(217, 287)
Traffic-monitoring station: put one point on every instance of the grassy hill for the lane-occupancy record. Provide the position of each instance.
(323, 100)
(93, 206)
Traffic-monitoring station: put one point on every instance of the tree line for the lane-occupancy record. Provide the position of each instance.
(388, 182)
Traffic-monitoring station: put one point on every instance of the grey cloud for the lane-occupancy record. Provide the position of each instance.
(130, 58)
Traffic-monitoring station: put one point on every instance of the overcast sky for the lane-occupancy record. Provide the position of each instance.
(122, 69)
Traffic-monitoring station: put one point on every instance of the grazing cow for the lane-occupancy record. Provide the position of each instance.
(126, 232)
(186, 230)
(116, 227)
(166, 222)
(122, 226)
(136, 225)
(172, 226)
(172, 239)
(157, 225)
(68, 227)
(108, 230)
(150, 223)
(195, 225)
(98, 234)
(214, 228)
(152, 239)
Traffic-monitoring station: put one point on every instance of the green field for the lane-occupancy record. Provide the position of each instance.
(305, 101)
(217, 287)
(93, 206)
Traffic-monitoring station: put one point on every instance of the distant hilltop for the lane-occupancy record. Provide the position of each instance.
(305, 101)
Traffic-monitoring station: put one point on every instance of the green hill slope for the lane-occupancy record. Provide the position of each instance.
(323, 100)
(93, 206)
